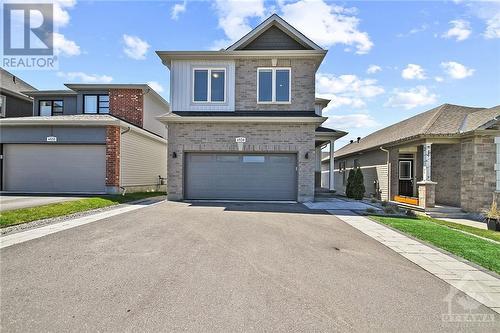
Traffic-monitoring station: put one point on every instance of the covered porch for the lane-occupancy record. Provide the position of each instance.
(426, 173)
(324, 158)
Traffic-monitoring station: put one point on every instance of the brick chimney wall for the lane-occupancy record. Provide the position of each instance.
(127, 104)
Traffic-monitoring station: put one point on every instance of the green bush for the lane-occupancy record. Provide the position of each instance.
(358, 187)
(349, 185)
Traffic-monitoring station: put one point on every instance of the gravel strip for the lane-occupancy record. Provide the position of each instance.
(40, 223)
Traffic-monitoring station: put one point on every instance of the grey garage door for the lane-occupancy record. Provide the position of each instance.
(241, 176)
(54, 168)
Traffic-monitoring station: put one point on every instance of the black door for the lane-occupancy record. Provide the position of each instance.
(406, 178)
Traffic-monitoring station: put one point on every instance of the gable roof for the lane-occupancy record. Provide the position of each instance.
(274, 21)
(446, 119)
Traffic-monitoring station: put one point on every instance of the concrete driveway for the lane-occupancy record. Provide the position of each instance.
(237, 267)
(9, 202)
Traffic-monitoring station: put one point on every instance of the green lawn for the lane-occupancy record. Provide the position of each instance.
(23, 215)
(438, 233)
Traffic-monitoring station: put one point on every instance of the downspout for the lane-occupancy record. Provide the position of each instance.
(121, 187)
(388, 173)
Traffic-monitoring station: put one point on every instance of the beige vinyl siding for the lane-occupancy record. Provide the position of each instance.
(373, 166)
(143, 159)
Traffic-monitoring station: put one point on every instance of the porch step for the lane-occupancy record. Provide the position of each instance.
(446, 211)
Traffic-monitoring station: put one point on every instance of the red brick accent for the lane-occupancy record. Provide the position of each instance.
(113, 156)
(127, 104)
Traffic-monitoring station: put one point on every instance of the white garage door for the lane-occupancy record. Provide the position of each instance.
(54, 168)
(241, 176)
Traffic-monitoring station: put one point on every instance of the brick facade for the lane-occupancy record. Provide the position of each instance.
(262, 138)
(478, 157)
(302, 81)
(127, 104)
(445, 170)
(113, 156)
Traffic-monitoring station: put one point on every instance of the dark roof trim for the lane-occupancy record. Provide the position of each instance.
(246, 114)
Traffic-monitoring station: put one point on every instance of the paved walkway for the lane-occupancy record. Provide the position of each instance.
(479, 285)
(469, 222)
(338, 204)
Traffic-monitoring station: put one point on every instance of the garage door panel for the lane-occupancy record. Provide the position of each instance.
(54, 168)
(241, 176)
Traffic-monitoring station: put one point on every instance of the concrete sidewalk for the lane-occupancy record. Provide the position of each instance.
(483, 287)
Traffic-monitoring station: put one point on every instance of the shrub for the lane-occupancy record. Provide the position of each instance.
(384, 203)
(370, 210)
(390, 210)
(410, 213)
(358, 186)
(373, 200)
(348, 187)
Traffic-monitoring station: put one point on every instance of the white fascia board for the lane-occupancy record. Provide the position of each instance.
(138, 130)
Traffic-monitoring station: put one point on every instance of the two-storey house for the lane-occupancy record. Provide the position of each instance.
(13, 102)
(89, 138)
(244, 121)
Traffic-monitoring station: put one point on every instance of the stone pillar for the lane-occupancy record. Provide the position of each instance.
(426, 194)
(332, 165)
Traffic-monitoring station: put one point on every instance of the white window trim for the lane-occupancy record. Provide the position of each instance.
(411, 170)
(4, 103)
(273, 85)
(209, 85)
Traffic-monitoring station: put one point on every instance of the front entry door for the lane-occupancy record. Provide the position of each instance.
(406, 178)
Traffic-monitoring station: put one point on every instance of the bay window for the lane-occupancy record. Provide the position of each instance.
(209, 85)
(273, 85)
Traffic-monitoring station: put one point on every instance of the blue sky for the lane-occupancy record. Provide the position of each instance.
(387, 60)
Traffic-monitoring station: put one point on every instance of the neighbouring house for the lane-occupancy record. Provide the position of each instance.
(13, 102)
(449, 155)
(90, 138)
(244, 121)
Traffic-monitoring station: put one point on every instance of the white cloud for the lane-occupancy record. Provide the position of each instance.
(156, 86)
(346, 90)
(460, 30)
(438, 79)
(411, 98)
(413, 72)
(135, 47)
(493, 27)
(86, 78)
(372, 69)
(456, 70)
(356, 120)
(234, 16)
(326, 24)
(413, 31)
(63, 46)
(177, 9)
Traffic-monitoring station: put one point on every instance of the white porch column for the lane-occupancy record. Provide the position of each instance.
(332, 166)
(426, 187)
(426, 172)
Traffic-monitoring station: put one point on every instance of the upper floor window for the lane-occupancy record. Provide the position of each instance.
(51, 108)
(3, 101)
(96, 104)
(273, 85)
(209, 85)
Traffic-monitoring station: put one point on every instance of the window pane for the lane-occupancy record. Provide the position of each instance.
(265, 85)
(282, 85)
(200, 85)
(58, 104)
(217, 86)
(253, 159)
(104, 98)
(90, 103)
(45, 108)
(103, 110)
(405, 170)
